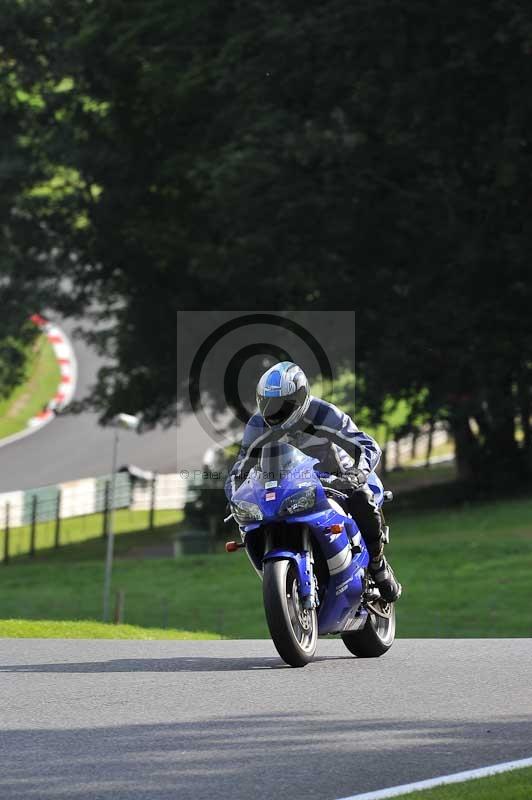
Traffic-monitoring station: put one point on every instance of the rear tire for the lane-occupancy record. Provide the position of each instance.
(377, 635)
(294, 630)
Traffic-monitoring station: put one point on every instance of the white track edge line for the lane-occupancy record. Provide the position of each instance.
(431, 783)
(15, 437)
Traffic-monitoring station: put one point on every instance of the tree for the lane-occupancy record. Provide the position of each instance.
(24, 240)
(371, 156)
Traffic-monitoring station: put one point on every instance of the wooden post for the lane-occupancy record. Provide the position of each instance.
(397, 463)
(413, 443)
(34, 501)
(429, 443)
(58, 520)
(6, 536)
(151, 523)
(385, 453)
(119, 607)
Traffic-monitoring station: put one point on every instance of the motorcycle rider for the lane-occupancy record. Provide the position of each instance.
(289, 413)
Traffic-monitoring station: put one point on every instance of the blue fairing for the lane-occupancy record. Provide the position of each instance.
(343, 551)
(301, 561)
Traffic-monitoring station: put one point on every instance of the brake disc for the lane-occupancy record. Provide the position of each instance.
(385, 610)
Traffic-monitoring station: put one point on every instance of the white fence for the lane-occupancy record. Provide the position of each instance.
(92, 495)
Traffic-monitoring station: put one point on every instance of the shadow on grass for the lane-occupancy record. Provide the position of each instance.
(449, 495)
(94, 549)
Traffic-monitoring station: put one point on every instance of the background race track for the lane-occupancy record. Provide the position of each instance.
(75, 446)
(127, 720)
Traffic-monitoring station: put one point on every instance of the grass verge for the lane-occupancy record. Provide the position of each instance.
(514, 785)
(84, 529)
(465, 571)
(88, 629)
(40, 385)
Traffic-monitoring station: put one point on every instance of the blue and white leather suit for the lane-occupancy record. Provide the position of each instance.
(323, 432)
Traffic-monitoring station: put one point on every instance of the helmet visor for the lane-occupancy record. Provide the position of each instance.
(276, 410)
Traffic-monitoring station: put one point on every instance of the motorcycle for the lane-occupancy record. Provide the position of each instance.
(311, 558)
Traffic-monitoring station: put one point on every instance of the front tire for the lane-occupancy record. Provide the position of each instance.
(294, 630)
(377, 635)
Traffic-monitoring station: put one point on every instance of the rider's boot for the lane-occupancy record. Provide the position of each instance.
(385, 580)
(370, 520)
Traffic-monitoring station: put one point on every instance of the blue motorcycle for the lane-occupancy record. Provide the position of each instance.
(311, 557)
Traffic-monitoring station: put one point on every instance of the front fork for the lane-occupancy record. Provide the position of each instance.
(309, 599)
(304, 563)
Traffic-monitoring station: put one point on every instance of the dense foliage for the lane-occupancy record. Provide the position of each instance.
(221, 154)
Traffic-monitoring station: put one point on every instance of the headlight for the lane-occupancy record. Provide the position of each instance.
(246, 512)
(299, 501)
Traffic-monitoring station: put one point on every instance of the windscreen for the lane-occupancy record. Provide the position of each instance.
(278, 459)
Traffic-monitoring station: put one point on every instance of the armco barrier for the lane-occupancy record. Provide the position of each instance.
(14, 501)
(170, 485)
(78, 497)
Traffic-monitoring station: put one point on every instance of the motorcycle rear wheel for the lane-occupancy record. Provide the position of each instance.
(377, 635)
(294, 630)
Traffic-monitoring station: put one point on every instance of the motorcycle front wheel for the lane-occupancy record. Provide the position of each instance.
(294, 629)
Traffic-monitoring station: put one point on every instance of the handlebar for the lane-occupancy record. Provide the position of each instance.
(335, 493)
(329, 491)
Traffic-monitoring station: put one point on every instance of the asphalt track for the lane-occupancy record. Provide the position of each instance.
(131, 720)
(75, 446)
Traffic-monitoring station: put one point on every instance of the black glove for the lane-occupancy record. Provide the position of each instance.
(348, 483)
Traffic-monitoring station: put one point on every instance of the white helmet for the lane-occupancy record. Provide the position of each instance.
(283, 395)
